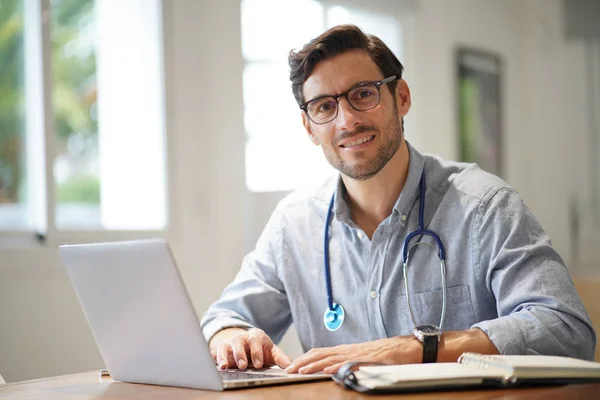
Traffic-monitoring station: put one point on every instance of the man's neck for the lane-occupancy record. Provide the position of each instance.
(372, 201)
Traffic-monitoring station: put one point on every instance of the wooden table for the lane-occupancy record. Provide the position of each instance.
(89, 385)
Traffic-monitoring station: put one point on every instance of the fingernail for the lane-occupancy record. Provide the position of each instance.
(302, 370)
(257, 361)
(242, 364)
(222, 364)
(289, 368)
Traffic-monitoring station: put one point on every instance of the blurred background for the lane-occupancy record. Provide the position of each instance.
(174, 118)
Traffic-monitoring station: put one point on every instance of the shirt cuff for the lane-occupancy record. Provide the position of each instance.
(505, 333)
(213, 327)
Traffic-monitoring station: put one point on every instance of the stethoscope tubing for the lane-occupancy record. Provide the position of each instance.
(337, 311)
(421, 230)
(326, 255)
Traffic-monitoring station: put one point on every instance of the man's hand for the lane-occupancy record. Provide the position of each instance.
(234, 347)
(396, 350)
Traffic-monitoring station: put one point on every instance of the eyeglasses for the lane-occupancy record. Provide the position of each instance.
(361, 97)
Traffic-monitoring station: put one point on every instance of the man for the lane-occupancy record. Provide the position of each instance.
(506, 290)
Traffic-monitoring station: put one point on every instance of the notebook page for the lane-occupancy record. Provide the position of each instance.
(535, 366)
(423, 375)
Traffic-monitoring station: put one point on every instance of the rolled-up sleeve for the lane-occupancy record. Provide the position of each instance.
(539, 311)
(256, 297)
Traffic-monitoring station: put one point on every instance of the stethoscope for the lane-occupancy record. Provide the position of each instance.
(335, 314)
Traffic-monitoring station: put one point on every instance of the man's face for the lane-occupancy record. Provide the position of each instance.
(357, 143)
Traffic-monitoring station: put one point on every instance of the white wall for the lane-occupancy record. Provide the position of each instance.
(42, 330)
(545, 124)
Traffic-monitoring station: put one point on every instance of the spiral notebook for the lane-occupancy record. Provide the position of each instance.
(471, 369)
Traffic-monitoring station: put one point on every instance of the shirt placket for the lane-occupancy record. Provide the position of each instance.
(374, 295)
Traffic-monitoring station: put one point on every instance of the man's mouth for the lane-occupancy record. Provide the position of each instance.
(358, 142)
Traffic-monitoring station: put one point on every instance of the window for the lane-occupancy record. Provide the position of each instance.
(81, 116)
(274, 132)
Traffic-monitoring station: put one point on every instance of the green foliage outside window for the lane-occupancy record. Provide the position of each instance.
(11, 99)
(73, 92)
(83, 189)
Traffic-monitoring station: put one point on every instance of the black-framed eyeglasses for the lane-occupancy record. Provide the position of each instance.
(362, 97)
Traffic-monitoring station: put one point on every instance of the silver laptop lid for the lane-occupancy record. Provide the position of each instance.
(140, 314)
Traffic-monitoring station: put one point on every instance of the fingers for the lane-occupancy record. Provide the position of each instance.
(243, 349)
(319, 365)
(252, 347)
(255, 342)
(311, 356)
(225, 356)
(330, 359)
(280, 358)
(333, 369)
(239, 348)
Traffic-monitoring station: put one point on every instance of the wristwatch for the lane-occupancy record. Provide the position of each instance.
(429, 336)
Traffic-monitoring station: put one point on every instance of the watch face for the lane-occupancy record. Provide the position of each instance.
(427, 330)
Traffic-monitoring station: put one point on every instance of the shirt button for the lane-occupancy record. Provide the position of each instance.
(403, 218)
(360, 234)
(373, 294)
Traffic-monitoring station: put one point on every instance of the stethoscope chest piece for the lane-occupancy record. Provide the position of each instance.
(334, 317)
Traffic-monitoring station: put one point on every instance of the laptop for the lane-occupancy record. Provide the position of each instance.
(143, 320)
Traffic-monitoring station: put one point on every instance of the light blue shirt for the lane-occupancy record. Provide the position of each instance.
(503, 276)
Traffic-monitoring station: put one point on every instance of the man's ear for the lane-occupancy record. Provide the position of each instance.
(403, 99)
(308, 127)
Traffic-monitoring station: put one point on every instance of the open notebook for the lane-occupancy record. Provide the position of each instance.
(471, 370)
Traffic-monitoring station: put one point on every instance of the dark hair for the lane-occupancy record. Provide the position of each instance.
(334, 41)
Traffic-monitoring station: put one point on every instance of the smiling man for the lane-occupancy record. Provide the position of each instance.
(403, 258)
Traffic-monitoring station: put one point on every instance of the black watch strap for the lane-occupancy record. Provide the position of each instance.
(430, 349)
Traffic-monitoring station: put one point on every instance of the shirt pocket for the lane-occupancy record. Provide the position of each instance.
(427, 308)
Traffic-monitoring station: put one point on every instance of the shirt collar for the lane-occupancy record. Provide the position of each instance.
(407, 196)
(341, 208)
(409, 192)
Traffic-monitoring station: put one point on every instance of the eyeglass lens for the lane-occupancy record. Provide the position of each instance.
(361, 98)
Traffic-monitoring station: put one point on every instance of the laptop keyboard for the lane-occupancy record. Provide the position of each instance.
(232, 375)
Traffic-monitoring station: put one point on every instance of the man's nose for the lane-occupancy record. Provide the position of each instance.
(347, 117)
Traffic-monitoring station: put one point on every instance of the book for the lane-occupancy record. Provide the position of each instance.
(471, 369)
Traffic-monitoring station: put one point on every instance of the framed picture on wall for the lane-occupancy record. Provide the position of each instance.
(479, 75)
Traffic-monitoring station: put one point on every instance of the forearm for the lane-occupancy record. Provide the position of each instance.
(453, 343)
(256, 298)
(540, 330)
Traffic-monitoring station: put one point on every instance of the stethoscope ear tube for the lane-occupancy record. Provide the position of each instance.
(443, 272)
(407, 250)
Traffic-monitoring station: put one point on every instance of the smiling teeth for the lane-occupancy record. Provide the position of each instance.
(359, 141)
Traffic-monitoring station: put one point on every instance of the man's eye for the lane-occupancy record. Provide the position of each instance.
(363, 93)
(326, 106)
